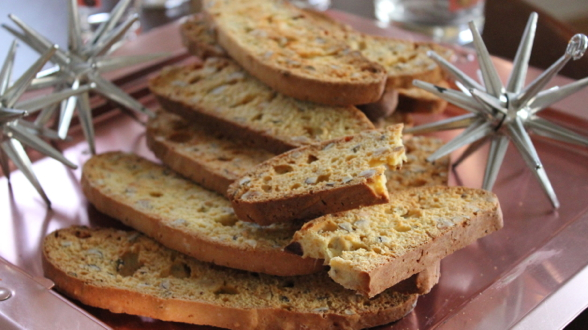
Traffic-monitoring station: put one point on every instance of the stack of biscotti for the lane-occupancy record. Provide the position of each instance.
(200, 223)
(250, 275)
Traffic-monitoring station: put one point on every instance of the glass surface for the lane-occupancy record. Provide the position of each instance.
(443, 20)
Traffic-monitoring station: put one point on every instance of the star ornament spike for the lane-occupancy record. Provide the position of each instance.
(82, 65)
(15, 132)
(501, 114)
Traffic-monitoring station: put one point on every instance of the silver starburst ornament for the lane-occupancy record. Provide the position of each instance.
(14, 130)
(500, 114)
(82, 65)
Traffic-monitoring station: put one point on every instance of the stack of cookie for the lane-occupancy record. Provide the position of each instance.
(279, 206)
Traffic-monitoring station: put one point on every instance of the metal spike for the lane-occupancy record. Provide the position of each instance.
(115, 63)
(522, 141)
(490, 76)
(456, 73)
(489, 103)
(39, 40)
(471, 134)
(31, 140)
(17, 154)
(45, 82)
(549, 97)
(7, 114)
(498, 148)
(104, 45)
(45, 115)
(575, 50)
(85, 115)
(66, 112)
(116, 94)
(15, 91)
(34, 44)
(443, 125)
(548, 129)
(471, 149)
(74, 30)
(521, 61)
(39, 130)
(6, 71)
(33, 105)
(4, 164)
(105, 28)
(450, 95)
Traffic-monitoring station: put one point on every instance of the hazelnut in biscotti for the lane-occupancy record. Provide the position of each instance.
(373, 248)
(319, 179)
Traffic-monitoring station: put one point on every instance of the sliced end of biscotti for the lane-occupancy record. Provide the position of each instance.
(222, 97)
(282, 46)
(311, 181)
(186, 217)
(211, 160)
(126, 272)
(373, 248)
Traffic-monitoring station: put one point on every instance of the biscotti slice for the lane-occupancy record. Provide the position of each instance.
(319, 179)
(372, 248)
(222, 97)
(284, 47)
(126, 272)
(417, 171)
(186, 217)
(209, 159)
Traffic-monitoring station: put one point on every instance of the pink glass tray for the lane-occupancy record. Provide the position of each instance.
(530, 274)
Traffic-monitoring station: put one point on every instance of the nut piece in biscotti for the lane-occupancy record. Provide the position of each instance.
(222, 97)
(284, 47)
(186, 217)
(207, 158)
(319, 179)
(372, 248)
(417, 171)
(126, 272)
